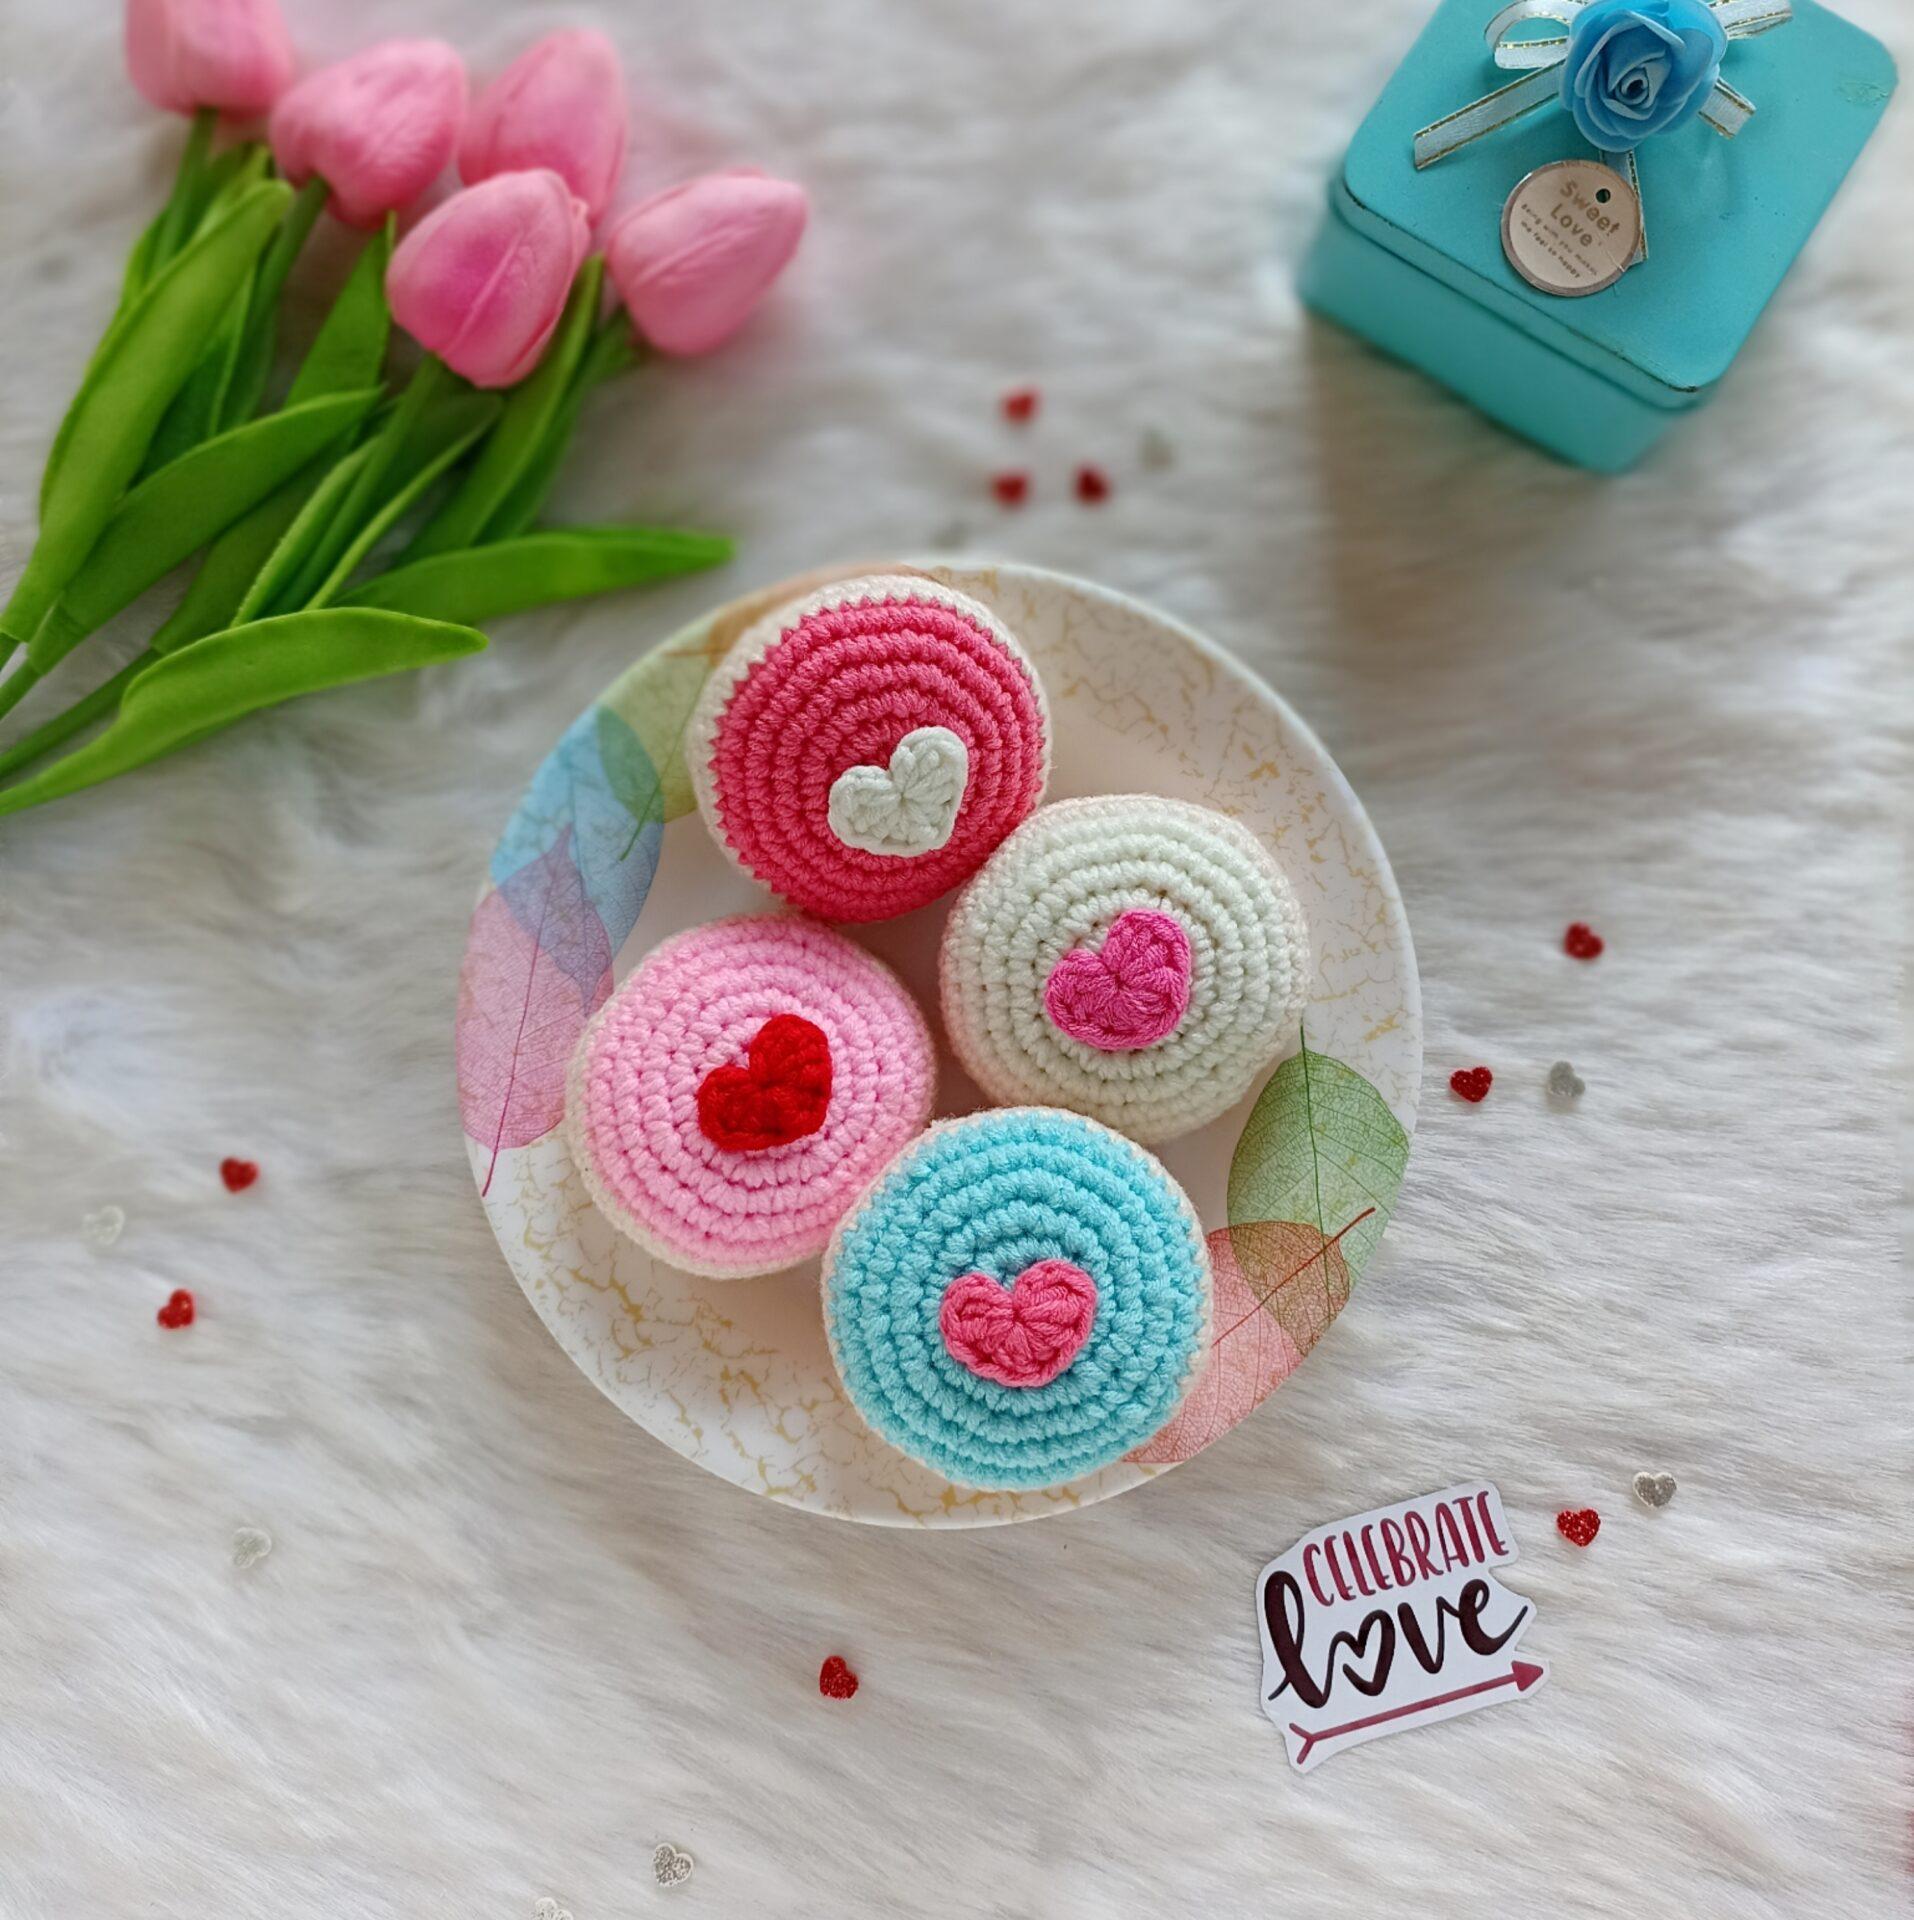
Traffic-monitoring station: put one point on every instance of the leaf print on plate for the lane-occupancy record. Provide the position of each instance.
(597, 785)
(1311, 1187)
(1321, 1146)
(537, 966)
(1278, 1286)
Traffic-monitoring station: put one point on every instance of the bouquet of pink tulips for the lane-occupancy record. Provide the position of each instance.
(346, 531)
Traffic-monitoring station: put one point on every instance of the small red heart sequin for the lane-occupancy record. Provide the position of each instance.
(1582, 942)
(1578, 1525)
(835, 1681)
(178, 1310)
(1020, 405)
(1472, 1083)
(780, 1093)
(1011, 489)
(238, 1174)
(1093, 485)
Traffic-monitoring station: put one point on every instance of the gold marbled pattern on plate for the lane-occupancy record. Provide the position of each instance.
(737, 1375)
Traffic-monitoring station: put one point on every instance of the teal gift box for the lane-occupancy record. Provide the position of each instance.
(1413, 261)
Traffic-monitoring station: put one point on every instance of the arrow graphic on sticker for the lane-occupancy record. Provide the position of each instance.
(1522, 1675)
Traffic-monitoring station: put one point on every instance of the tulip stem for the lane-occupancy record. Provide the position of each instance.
(63, 726)
(192, 166)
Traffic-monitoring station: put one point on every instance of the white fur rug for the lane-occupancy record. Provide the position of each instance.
(505, 1643)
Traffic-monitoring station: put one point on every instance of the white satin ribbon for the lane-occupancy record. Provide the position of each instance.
(1538, 56)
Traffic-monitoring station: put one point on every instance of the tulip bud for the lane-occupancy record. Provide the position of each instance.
(481, 280)
(692, 262)
(377, 128)
(560, 104)
(186, 54)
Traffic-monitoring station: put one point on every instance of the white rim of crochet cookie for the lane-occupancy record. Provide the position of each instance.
(1139, 959)
(745, 1084)
(863, 749)
(1022, 1298)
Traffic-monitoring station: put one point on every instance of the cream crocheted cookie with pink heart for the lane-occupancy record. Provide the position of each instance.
(1137, 959)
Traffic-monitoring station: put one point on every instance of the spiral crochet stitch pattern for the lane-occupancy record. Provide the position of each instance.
(1023, 1297)
(741, 1088)
(862, 750)
(1138, 959)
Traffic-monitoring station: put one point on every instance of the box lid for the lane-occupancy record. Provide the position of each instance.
(1725, 218)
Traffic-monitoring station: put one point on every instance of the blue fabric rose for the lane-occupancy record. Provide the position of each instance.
(1637, 67)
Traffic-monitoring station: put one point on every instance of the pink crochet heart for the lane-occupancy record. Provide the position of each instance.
(1130, 992)
(1022, 1335)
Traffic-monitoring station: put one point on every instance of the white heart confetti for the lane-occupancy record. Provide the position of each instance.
(103, 1225)
(909, 807)
(549, 1909)
(1654, 1489)
(250, 1546)
(672, 1865)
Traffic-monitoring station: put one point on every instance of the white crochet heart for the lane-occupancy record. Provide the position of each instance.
(909, 807)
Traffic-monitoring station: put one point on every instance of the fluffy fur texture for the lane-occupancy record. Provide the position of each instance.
(505, 1643)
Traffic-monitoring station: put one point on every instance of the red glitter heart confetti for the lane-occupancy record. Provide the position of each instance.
(835, 1680)
(1020, 405)
(238, 1174)
(1582, 942)
(1472, 1083)
(1093, 486)
(178, 1310)
(1578, 1525)
(1011, 489)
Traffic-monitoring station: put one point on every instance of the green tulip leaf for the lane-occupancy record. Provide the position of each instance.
(487, 583)
(143, 363)
(183, 506)
(350, 348)
(208, 685)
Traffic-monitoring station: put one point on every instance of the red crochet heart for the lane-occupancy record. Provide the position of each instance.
(238, 1174)
(778, 1095)
(1582, 942)
(1472, 1083)
(835, 1681)
(178, 1310)
(1022, 1335)
(1579, 1525)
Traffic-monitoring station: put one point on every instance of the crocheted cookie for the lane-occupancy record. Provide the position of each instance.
(1023, 1297)
(742, 1088)
(862, 750)
(1138, 959)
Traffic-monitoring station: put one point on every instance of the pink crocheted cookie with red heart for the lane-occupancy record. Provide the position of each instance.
(741, 1089)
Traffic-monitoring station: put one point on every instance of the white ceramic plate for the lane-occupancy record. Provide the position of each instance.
(606, 856)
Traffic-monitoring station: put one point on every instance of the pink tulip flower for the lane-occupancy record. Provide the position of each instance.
(377, 128)
(481, 280)
(560, 104)
(692, 262)
(186, 54)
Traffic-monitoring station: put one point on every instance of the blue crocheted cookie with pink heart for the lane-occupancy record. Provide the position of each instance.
(1022, 1298)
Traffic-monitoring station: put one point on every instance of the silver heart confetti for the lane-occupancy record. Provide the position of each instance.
(250, 1546)
(672, 1865)
(1564, 1083)
(1654, 1489)
(549, 1909)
